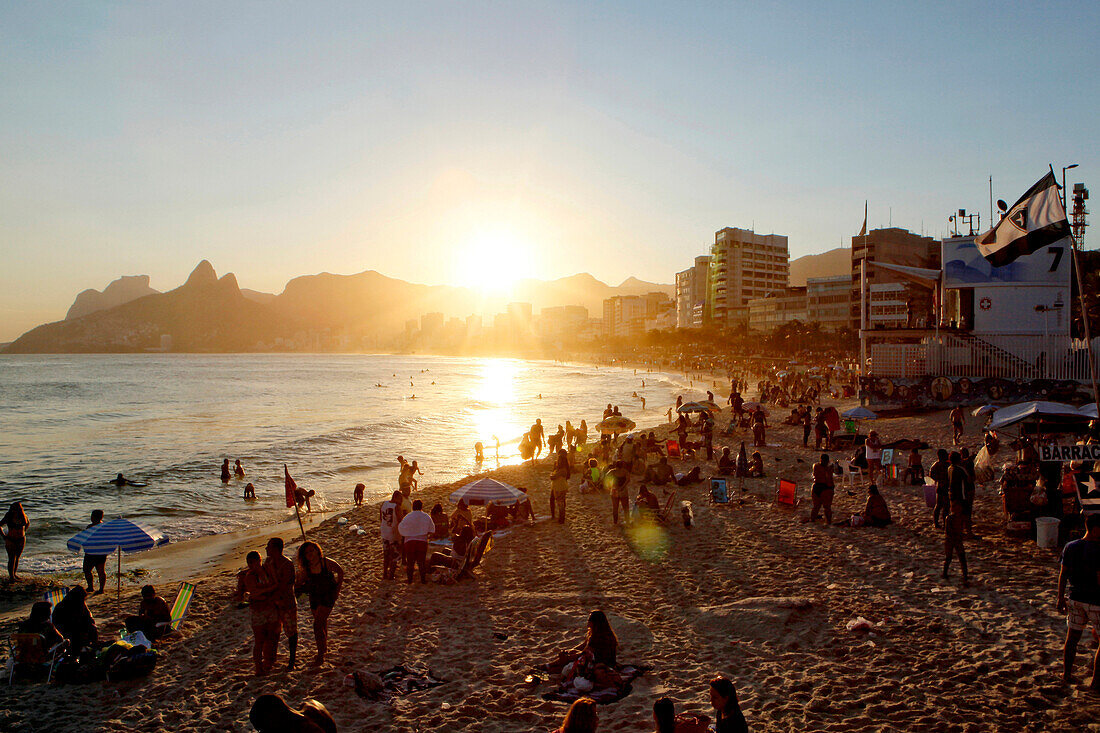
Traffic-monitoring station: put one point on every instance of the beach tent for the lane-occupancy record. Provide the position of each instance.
(859, 413)
(116, 537)
(1049, 412)
(616, 424)
(485, 490)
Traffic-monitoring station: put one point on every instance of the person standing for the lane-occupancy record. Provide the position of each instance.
(954, 525)
(238, 469)
(708, 435)
(559, 486)
(358, 494)
(95, 562)
(390, 515)
(322, 579)
(281, 570)
(14, 527)
(961, 488)
(1080, 570)
(728, 715)
(619, 477)
(415, 527)
(225, 471)
(958, 423)
(938, 473)
(537, 437)
(824, 483)
(264, 616)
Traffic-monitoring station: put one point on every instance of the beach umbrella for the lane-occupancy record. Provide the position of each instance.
(859, 413)
(116, 537)
(615, 424)
(689, 407)
(712, 405)
(984, 410)
(752, 406)
(485, 490)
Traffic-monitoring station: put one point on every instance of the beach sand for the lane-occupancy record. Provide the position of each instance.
(751, 592)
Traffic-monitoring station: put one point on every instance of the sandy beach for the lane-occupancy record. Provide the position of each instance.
(751, 592)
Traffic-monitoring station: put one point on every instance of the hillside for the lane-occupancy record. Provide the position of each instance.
(826, 264)
(118, 292)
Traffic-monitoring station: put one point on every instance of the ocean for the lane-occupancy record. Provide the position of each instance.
(69, 423)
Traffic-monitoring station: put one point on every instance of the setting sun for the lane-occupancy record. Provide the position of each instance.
(494, 260)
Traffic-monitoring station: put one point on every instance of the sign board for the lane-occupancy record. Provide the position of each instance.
(1067, 453)
(964, 266)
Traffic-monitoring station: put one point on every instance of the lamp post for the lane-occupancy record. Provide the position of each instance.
(1064, 169)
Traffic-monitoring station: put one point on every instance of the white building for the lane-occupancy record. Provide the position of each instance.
(744, 265)
(691, 293)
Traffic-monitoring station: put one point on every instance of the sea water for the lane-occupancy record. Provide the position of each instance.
(69, 423)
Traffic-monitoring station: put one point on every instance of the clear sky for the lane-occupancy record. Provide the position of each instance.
(417, 139)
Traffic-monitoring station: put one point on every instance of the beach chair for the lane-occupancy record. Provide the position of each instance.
(481, 546)
(672, 448)
(53, 597)
(851, 472)
(719, 491)
(664, 515)
(786, 493)
(179, 609)
(451, 575)
(29, 650)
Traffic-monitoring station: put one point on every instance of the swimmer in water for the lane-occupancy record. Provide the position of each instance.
(225, 471)
(121, 480)
(249, 491)
(238, 469)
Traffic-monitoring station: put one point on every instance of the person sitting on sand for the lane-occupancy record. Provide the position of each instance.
(441, 524)
(461, 516)
(153, 610)
(660, 473)
(821, 492)
(595, 659)
(592, 478)
(357, 494)
(73, 619)
(39, 623)
(238, 469)
(666, 720)
(581, 717)
(271, 714)
(497, 516)
(723, 697)
(321, 578)
(459, 547)
(756, 465)
(726, 464)
(693, 476)
(875, 513)
(647, 503)
(225, 471)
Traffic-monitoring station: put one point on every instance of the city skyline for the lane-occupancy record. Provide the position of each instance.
(471, 145)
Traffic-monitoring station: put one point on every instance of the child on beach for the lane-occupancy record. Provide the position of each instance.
(264, 616)
(358, 495)
(954, 527)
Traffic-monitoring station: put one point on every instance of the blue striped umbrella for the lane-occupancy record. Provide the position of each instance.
(117, 536)
(482, 491)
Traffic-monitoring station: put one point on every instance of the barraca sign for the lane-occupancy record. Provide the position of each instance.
(1067, 453)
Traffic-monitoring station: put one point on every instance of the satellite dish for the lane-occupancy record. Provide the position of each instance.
(1002, 205)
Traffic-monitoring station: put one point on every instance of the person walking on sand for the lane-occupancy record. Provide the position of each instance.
(537, 437)
(961, 488)
(958, 423)
(618, 478)
(281, 570)
(954, 527)
(669, 413)
(225, 471)
(938, 473)
(358, 494)
(390, 515)
(1080, 570)
(14, 528)
(824, 483)
(95, 562)
(559, 486)
(322, 579)
(264, 616)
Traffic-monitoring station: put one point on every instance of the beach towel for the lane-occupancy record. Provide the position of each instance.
(604, 695)
(394, 682)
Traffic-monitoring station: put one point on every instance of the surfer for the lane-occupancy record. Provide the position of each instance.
(121, 480)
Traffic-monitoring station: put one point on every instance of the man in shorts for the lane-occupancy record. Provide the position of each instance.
(822, 491)
(97, 563)
(958, 423)
(390, 515)
(281, 570)
(1081, 572)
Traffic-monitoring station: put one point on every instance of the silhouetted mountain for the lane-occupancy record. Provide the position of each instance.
(203, 314)
(122, 290)
(827, 264)
(257, 297)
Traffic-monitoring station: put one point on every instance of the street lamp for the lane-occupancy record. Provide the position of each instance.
(1064, 169)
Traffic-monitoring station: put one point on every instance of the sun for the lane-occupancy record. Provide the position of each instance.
(494, 260)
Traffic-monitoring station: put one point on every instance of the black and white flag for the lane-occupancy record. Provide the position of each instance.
(1036, 220)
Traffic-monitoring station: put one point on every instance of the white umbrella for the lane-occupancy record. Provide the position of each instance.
(485, 490)
(117, 536)
(984, 410)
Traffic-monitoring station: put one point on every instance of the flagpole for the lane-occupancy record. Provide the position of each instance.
(1084, 318)
(298, 513)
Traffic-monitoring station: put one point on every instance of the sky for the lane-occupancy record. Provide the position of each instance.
(474, 142)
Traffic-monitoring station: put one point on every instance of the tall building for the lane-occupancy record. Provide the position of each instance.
(625, 315)
(691, 291)
(775, 309)
(892, 246)
(828, 301)
(743, 265)
(562, 320)
(431, 323)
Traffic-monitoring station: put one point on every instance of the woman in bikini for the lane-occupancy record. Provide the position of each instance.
(14, 525)
(322, 579)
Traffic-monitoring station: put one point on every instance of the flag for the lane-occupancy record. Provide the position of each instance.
(291, 487)
(863, 229)
(1036, 220)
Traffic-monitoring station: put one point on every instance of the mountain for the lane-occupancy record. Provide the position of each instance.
(204, 314)
(256, 296)
(827, 264)
(122, 290)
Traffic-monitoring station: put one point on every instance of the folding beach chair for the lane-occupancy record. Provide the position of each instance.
(481, 545)
(29, 650)
(666, 513)
(179, 609)
(53, 597)
(786, 493)
(672, 448)
(719, 491)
